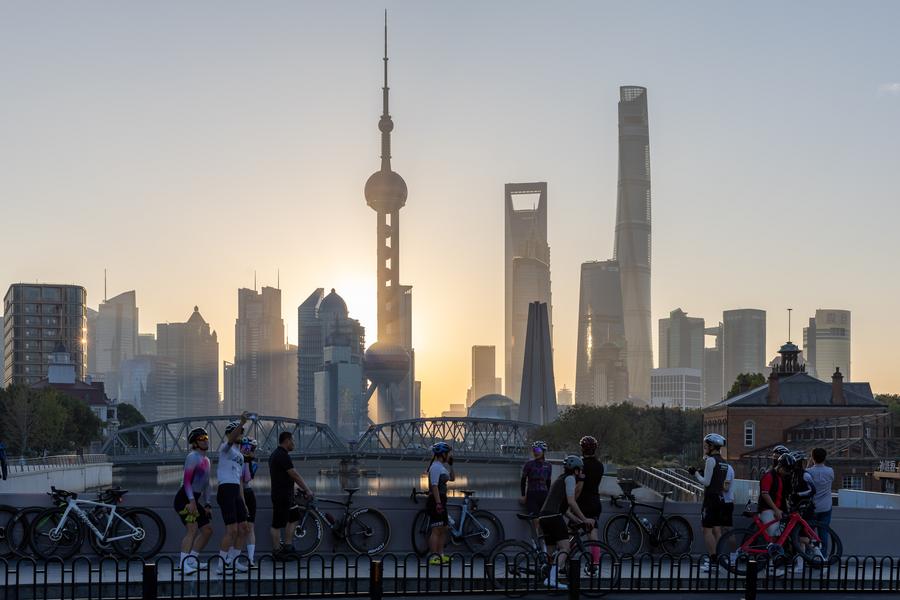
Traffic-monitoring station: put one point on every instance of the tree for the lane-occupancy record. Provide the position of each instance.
(129, 416)
(32, 419)
(82, 426)
(744, 382)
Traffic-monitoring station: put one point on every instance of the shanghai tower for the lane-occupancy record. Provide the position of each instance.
(632, 245)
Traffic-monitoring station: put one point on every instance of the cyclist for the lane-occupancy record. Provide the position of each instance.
(192, 501)
(589, 496)
(536, 478)
(230, 495)
(285, 513)
(772, 492)
(440, 471)
(715, 470)
(823, 478)
(248, 449)
(561, 500)
(803, 489)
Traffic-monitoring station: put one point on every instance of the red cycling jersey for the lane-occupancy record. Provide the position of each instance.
(772, 484)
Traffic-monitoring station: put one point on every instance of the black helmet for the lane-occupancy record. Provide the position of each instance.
(714, 439)
(780, 449)
(572, 462)
(588, 445)
(787, 461)
(195, 433)
(231, 427)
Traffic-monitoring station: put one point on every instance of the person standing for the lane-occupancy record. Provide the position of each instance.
(773, 493)
(284, 511)
(823, 478)
(192, 502)
(248, 449)
(536, 478)
(440, 471)
(230, 495)
(715, 469)
(589, 497)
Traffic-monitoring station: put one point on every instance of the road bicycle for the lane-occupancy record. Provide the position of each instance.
(795, 538)
(59, 530)
(517, 566)
(480, 530)
(7, 513)
(365, 530)
(627, 533)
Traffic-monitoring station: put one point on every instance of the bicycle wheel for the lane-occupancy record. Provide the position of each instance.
(624, 535)
(7, 513)
(50, 537)
(18, 530)
(600, 568)
(307, 533)
(676, 536)
(739, 546)
(420, 533)
(482, 532)
(811, 552)
(147, 531)
(368, 531)
(515, 566)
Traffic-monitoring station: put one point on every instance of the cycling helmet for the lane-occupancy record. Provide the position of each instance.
(253, 445)
(780, 449)
(714, 439)
(588, 445)
(231, 427)
(573, 462)
(249, 444)
(787, 461)
(440, 448)
(799, 456)
(539, 444)
(195, 433)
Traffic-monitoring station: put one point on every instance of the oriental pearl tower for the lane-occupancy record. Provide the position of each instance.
(390, 362)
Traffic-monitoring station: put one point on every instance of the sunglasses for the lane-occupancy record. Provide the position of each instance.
(203, 438)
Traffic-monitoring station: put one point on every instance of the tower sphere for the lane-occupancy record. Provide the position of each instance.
(386, 190)
(386, 364)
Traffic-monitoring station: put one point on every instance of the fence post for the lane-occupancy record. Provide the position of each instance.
(149, 582)
(575, 578)
(376, 580)
(751, 580)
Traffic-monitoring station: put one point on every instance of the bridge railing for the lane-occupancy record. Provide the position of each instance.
(20, 464)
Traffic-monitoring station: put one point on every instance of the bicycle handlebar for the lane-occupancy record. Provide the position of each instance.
(415, 493)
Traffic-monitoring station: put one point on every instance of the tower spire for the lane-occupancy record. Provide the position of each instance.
(385, 124)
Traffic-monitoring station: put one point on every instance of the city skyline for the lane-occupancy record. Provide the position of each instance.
(195, 151)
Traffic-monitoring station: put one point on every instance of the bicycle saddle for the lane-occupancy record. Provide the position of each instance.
(111, 494)
(665, 494)
(62, 494)
(526, 516)
(467, 493)
(351, 491)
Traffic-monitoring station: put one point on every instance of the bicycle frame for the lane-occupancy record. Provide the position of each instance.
(794, 521)
(72, 505)
(632, 514)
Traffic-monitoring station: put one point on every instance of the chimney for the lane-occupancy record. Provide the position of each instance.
(773, 398)
(837, 388)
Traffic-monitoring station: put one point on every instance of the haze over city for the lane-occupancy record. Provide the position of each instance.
(187, 148)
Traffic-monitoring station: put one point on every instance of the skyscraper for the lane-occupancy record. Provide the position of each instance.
(743, 343)
(115, 338)
(600, 374)
(538, 395)
(150, 384)
(258, 371)
(681, 341)
(632, 244)
(826, 343)
(37, 318)
(527, 270)
(386, 194)
(194, 349)
(484, 370)
(713, 384)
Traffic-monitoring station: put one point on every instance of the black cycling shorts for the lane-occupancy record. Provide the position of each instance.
(229, 498)
(181, 502)
(435, 518)
(714, 512)
(283, 511)
(250, 501)
(554, 528)
(534, 501)
(590, 507)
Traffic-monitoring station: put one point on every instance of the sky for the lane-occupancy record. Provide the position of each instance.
(185, 146)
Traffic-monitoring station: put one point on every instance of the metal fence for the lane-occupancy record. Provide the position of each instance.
(20, 464)
(342, 576)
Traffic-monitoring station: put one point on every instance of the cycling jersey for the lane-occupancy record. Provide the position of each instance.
(196, 476)
(557, 501)
(231, 464)
(438, 475)
(536, 476)
(802, 488)
(772, 484)
(728, 495)
(249, 472)
(593, 475)
(714, 473)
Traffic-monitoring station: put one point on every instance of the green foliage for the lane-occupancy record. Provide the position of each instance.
(744, 382)
(35, 420)
(629, 435)
(893, 403)
(129, 416)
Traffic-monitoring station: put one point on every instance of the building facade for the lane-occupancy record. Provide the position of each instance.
(633, 241)
(484, 373)
(677, 388)
(681, 341)
(194, 349)
(537, 402)
(743, 343)
(150, 384)
(340, 397)
(526, 271)
(826, 343)
(37, 319)
(113, 332)
(713, 376)
(564, 397)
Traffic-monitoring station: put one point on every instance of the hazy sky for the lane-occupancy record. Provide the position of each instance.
(183, 145)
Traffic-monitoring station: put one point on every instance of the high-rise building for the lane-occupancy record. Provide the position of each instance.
(194, 348)
(114, 335)
(147, 344)
(743, 343)
(324, 322)
(564, 397)
(826, 343)
(538, 394)
(713, 384)
(386, 194)
(676, 388)
(527, 270)
(632, 244)
(484, 373)
(150, 384)
(340, 395)
(681, 341)
(601, 376)
(38, 318)
(258, 372)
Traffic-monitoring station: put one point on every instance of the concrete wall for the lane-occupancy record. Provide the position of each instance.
(66, 477)
(863, 531)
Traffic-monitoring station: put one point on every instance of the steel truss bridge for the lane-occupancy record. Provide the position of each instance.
(476, 440)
